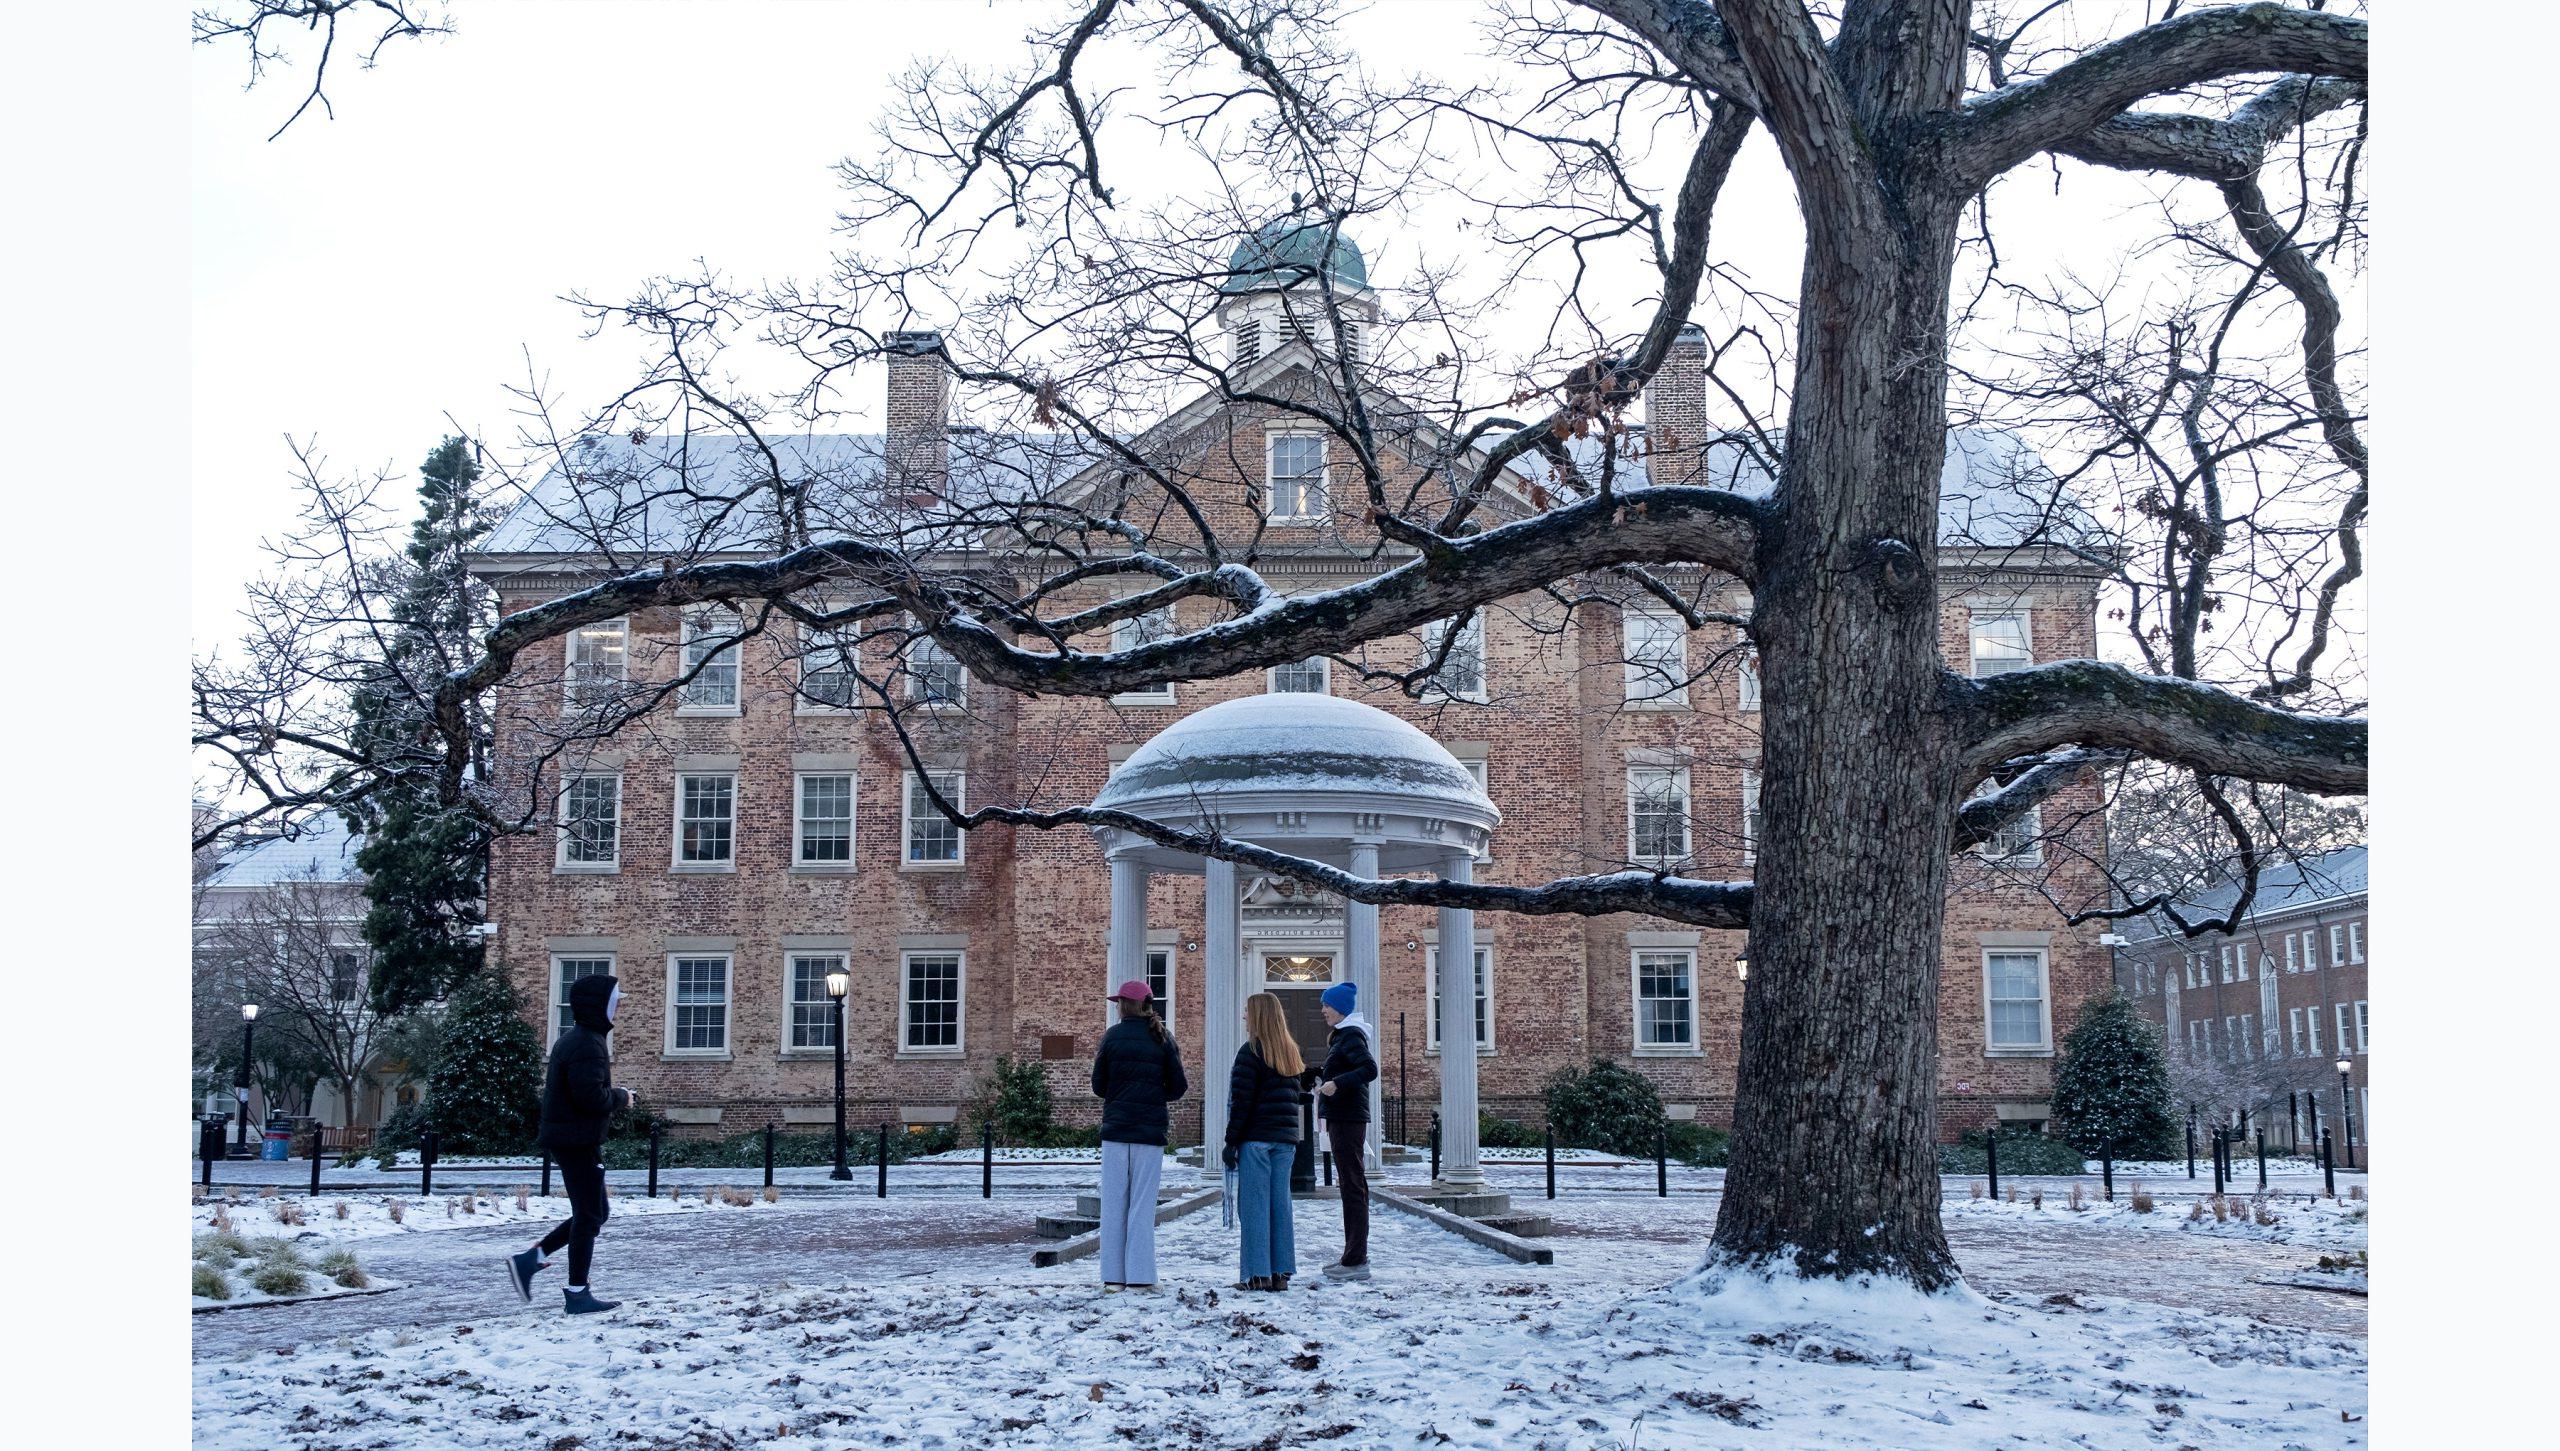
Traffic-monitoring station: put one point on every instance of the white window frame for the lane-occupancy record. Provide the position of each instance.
(1470, 645)
(800, 858)
(1482, 769)
(678, 861)
(575, 677)
(1977, 618)
(1750, 817)
(2293, 1032)
(1642, 634)
(1164, 995)
(2226, 963)
(560, 858)
(1679, 776)
(2290, 965)
(1639, 1020)
(1747, 682)
(2231, 1037)
(1431, 998)
(923, 649)
(1324, 672)
(728, 1002)
(960, 1005)
(2310, 949)
(690, 628)
(2043, 1048)
(1136, 630)
(1308, 507)
(2005, 848)
(560, 988)
(2364, 1021)
(2355, 942)
(2337, 944)
(955, 786)
(832, 639)
(791, 1045)
(2311, 1019)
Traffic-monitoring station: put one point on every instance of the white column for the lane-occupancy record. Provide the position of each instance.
(1360, 961)
(1458, 1166)
(1126, 958)
(1222, 1031)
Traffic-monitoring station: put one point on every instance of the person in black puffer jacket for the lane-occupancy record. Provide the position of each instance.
(1136, 1072)
(578, 1096)
(1262, 1140)
(1343, 1103)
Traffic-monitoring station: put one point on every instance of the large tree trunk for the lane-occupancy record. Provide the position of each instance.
(1834, 1167)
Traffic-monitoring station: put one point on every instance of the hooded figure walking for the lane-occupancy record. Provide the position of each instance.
(1342, 1101)
(1136, 1072)
(577, 1097)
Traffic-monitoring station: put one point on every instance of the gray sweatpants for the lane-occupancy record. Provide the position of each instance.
(1130, 1174)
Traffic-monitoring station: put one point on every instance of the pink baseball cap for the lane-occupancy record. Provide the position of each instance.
(1135, 991)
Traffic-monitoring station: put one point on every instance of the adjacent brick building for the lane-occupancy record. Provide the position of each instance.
(753, 836)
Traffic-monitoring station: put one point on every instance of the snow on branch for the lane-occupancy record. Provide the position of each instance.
(2093, 704)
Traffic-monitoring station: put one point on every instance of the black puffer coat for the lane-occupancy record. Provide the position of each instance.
(1262, 1103)
(1135, 1076)
(577, 1087)
(1350, 1067)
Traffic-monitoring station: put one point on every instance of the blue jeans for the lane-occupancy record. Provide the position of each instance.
(1262, 1210)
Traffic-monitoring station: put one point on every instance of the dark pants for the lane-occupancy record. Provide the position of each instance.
(582, 1174)
(1351, 1171)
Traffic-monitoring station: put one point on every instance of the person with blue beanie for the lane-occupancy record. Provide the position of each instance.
(1342, 1101)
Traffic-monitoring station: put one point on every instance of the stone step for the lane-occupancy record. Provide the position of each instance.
(1474, 1204)
(1089, 1206)
(1527, 1226)
(1063, 1226)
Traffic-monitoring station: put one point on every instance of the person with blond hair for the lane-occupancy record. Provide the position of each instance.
(1262, 1140)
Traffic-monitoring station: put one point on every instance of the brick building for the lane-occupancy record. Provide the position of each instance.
(2275, 1007)
(758, 832)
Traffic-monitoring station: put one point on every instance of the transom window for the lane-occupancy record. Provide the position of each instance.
(591, 821)
(932, 836)
(813, 1011)
(1484, 997)
(1307, 677)
(1657, 659)
(826, 668)
(706, 819)
(1666, 998)
(1139, 630)
(1658, 813)
(564, 971)
(710, 659)
(825, 814)
(933, 676)
(930, 1011)
(1462, 673)
(700, 1005)
(2015, 985)
(1297, 476)
(2000, 642)
(598, 662)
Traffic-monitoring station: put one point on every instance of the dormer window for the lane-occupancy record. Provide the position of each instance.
(1297, 476)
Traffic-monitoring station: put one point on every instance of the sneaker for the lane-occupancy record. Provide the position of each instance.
(521, 1268)
(1112, 1288)
(1258, 1282)
(584, 1302)
(1341, 1271)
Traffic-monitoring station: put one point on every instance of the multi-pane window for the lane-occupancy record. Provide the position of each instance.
(2337, 946)
(346, 974)
(1461, 674)
(2355, 942)
(1484, 997)
(706, 819)
(2346, 1026)
(1160, 983)
(1477, 767)
(1307, 677)
(2000, 642)
(2289, 964)
(2311, 1020)
(825, 820)
(2231, 1038)
(2293, 1031)
(1748, 677)
(2015, 985)
(932, 836)
(2226, 962)
(2019, 842)
(2248, 1044)
(710, 659)
(813, 1009)
(1656, 652)
(2363, 1019)
(1297, 476)
(934, 677)
(1750, 817)
(1139, 630)
(700, 1005)
(1658, 813)
(1666, 999)
(930, 1007)
(591, 821)
(826, 668)
(598, 656)
(564, 971)
(2310, 950)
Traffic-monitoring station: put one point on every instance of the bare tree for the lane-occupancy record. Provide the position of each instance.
(296, 949)
(998, 209)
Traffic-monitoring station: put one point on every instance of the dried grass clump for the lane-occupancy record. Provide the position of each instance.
(399, 1212)
(2195, 1211)
(736, 1198)
(2035, 1198)
(209, 1283)
(340, 1265)
(2261, 1213)
(341, 1209)
(524, 1198)
(286, 1211)
(221, 1247)
(221, 1221)
(1976, 1187)
(280, 1277)
(2013, 1193)
(2355, 1191)
(2142, 1200)
(269, 1192)
(2079, 1201)
(2221, 1210)
(772, 1195)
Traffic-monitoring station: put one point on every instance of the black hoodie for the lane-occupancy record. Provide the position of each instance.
(577, 1088)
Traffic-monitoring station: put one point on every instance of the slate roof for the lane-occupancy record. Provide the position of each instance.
(325, 852)
(2282, 888)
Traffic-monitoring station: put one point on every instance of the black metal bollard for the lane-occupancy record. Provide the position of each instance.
(2191, 1141)
(2293, 1123)
(316, 1136)
(884, 1163)
(2218, 1145)
(653, 1161)
(2107, 1169)
(2328, 1167)
(426, 1163)
(1991, 1161)
(1662, 1161)
(1551, 1161)
(768, 1154)
(209, 1144)
(987, 1160)
(1324, 1166)
(2262, 1158)
(546, 1173)
(1435, 1146)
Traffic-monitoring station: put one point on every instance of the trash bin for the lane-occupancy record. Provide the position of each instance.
(209, 1134)
(278, 1144)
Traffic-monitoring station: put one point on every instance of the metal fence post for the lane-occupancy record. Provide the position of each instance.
(1991, 1161)
(2107, 1168)
(1435, 1146)
(2262, 1158)
(1551, 1161)
(2328, 1166)
(884, 1162)
(987, 1160)
(653, 1161)
(768, 1153)
(316, 1136)
(2191, 1141)
(1662, 1161)
(546, 1173)
(2219, 1144)
(426, 1163)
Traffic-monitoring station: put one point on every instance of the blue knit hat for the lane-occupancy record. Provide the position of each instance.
(1341, 996)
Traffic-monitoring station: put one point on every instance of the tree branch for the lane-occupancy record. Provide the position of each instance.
(2090, 703)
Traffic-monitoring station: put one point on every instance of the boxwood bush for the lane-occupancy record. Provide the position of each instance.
(2020, 1153)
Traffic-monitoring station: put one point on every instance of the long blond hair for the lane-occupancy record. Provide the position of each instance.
(1268, 1031)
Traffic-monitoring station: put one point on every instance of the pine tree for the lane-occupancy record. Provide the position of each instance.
(484, 1095)
(2113, 1085)
(426, 866)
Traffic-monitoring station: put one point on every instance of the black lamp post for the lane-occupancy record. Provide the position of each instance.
(240, 1080)
(837, 982)
(2347, 1109)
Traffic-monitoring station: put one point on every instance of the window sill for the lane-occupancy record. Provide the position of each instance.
(2045, 1052)
(822, 869)
(689, 712)
(1670, 1052)
(1657, 703)
(694, 1055)
(586, 869)
(1155, 700)
(940, 707)
(930, 1055)
(807, 1055)
(1299, 521)
(1481, 1053)
(703, 869)
(931, 867)
(805, 708)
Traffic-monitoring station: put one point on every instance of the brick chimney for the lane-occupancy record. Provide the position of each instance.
(917, 449)
(1675, 408)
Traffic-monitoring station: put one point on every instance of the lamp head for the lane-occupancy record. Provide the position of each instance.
(248, 1012)
(1742, 969)
(838, 982)
(2344, 1065)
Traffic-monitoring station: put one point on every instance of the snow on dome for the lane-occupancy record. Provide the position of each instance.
(1292, 743)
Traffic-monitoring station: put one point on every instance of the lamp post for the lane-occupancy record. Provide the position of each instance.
(240, 1080)
(2347, 1109)
(837, 983)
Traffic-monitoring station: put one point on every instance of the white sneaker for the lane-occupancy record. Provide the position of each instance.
(1340, 1271)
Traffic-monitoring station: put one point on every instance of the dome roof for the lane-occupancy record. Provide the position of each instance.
(1271, 256)
(1304, 751)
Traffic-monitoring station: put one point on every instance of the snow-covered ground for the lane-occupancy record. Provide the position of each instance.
(1616, 1345)
(334, 1217)
(2320, 1224)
